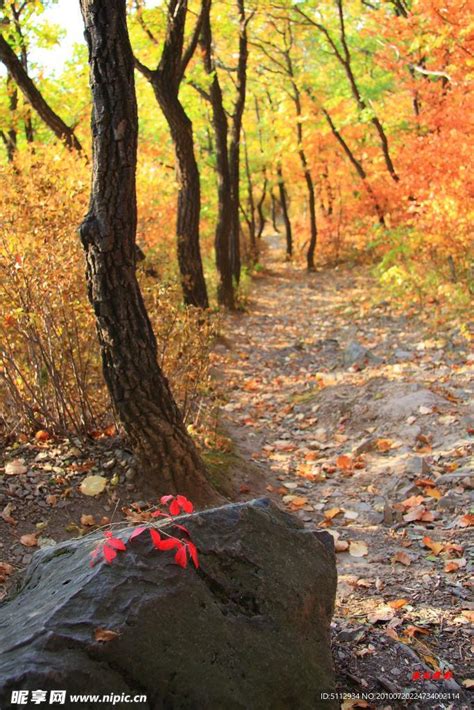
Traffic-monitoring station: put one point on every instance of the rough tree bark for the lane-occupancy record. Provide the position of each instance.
(165, 81)
(34, 96)
(139, 391)
(225, 287)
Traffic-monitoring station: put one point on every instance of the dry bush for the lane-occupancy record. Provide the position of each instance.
(50, 370)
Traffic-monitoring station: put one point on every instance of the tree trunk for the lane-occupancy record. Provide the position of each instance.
(274, 211)
(313, 234)
(225, 287)
(359, 168)
(250, 218)
(234, 148)
(52, 120)
(139, 391)
(11, 137)
(189, 195)
(312, 219)
(166, 80)
(285, 213)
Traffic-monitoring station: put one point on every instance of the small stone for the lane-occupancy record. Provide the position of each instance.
(449, 501)
(403, 355)
(418, 466)
(130, 474)
(109, 464)
(73, 453)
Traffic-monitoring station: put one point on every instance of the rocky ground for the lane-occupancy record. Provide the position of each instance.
(350, 412)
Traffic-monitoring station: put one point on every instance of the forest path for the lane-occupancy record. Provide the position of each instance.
(359, 416)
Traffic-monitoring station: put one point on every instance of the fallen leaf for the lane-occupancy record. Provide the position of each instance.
(419, 513)
(413, 501)
(398, 603)
(402, 557)
(6, 514)
(29, 540)
(381, 613)
(433, 493)
(5, 570)
(87, 520)
(105, 635)
(468, 683)
(384, 444)
(344, 462)
(332, 512)
(296, 501)
(435, 547)
(411, 630)
(455, 565)
(16, 467)
(358, 548)
(93, 485)
(392, 633)
(424, 482)
(466, 521)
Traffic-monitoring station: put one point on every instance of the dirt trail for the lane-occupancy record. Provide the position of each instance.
(360, 419)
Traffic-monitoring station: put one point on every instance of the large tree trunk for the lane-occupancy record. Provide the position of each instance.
(189, 195)
(26, 85)
(138, 389)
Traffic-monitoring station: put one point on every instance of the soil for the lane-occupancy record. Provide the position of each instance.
(357, 416)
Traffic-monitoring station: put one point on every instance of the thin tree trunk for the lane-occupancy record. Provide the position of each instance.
(357, 165)
(26, 85)
(225, 287)
(260, 204)
(235, 135)
(16, 12)
(251, 210)
(139, 391)
(11, 136)
(166, 80)
(285, 213)
(274, 211)
(313, 234)
(345, 59)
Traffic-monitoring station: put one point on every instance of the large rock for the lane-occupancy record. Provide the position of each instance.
(248, 629)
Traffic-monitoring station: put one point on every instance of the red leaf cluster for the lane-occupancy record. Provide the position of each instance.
(185, 549)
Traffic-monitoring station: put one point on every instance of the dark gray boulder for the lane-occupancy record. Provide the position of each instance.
(248, 629)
